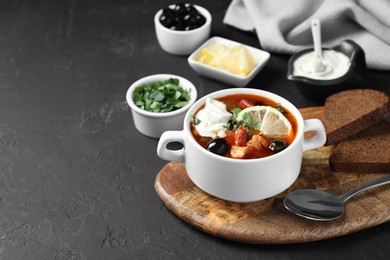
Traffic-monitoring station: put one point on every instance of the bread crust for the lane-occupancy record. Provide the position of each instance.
(366, 152)
(351, 111)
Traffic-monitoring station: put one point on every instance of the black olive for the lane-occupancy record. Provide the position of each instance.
(182, 13)
(193, 20)
(187, 17)
(192, 26)
(277, 146)
(201, 20)
(168, 11)
(180, 7)
(178, 27)
(192, 10)
(182, 17)
(177, 19)
(167, 20)
(218, 146)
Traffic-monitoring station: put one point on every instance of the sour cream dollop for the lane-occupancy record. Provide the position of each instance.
(213, 119)
(308, 65)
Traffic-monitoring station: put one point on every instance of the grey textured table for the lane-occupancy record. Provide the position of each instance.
(76, 178)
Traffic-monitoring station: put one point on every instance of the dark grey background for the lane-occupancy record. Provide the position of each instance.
(76, 178)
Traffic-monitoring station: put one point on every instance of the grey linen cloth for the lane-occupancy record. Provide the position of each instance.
(283, 26)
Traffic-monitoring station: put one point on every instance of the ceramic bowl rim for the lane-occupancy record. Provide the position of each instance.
(231, 91)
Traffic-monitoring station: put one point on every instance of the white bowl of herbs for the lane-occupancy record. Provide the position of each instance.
(159, 103)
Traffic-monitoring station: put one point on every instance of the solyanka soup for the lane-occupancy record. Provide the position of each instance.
(243, 126)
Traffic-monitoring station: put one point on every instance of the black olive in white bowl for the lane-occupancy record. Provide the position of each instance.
(182, 17)
(181, 28)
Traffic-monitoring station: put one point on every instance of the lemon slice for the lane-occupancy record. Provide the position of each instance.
(272, 122)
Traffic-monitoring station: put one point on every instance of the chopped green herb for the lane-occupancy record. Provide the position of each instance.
(161, 96)
(195, 121)
(247, 120)
(235, 112)
(279, 107)
(257, 126)
(233, 124)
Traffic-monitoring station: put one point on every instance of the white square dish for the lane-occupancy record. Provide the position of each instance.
(260, 57)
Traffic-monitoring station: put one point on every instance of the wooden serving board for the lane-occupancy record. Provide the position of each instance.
(267, 221)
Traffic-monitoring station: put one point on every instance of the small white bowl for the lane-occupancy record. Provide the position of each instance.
(260, 57)
(182, 42)
(153, 124)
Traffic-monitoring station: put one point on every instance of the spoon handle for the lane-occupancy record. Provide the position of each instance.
(316, 31)
(377, 182)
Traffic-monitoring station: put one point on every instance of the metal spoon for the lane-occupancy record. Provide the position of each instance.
(323, 206)
(321, 66)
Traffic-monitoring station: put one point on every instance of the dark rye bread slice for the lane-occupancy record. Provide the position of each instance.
(351, 111)
(366, 151)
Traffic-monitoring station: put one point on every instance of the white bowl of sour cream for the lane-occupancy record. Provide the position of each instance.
(308, 65)
(346, 61)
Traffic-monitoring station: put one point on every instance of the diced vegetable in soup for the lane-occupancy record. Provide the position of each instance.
(243, 126)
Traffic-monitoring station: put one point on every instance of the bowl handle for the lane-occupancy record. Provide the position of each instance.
(319, 139)
(170, 155)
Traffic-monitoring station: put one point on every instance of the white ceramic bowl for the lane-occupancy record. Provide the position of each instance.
(242, 180)
(154, 124)
(261, 58)
(182, 42)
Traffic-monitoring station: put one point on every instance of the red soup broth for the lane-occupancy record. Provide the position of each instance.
(243, 101)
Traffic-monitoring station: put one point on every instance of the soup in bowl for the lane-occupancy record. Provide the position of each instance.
(243, 126)
(241, 144)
